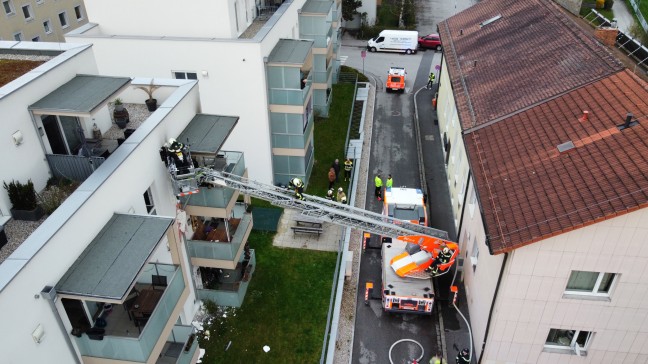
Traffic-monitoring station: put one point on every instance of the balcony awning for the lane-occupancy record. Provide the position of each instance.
(109, 266)
(318, 7)
(207, 133)
(80, 96)
(291, 51)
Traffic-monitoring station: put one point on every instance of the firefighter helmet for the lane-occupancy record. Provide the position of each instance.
(340, 189)
(446, 250)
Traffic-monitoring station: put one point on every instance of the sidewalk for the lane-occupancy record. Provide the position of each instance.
(623, 15)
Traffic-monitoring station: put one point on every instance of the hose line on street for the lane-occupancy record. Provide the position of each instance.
(403, 340)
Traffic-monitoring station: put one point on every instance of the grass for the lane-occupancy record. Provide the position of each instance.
(285, 308)
(587, 5)
(330, 135)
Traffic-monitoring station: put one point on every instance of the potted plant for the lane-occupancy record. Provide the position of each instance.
(151, 103)
(23, 200)
(119, 106)
(120, 114)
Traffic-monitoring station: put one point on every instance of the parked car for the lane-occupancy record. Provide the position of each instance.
(431, 41)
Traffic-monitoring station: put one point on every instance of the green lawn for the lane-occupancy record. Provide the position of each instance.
(285, 308)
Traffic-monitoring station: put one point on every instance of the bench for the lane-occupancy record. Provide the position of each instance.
(306, 230)
(309, 223)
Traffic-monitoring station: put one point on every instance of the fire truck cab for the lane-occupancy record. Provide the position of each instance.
(396, 79)
(406, 204)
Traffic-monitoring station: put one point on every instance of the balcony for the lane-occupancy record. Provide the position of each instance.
(181, 346)
(227, 288)
(286, 96)
(216, 197)
(126, 336)
(222, 246)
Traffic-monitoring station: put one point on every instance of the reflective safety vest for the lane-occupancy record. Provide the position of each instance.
(432, 77)
(390, 182)
(378, 181)
(348, 164)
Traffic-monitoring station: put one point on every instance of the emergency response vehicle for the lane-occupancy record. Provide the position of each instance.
(396, 79)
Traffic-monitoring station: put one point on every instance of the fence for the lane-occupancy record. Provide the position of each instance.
(638, 14)
(72, 167)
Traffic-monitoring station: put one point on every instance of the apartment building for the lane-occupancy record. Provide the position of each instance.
(270, 63)
(40, 20)
(544, 132)
(117, 272)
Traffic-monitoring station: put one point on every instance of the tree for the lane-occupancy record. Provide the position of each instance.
(350, 8)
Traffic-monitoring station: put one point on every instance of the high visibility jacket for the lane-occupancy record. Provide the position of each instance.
(432, 77)
(348, 165)
(378, 181)
(390, 182)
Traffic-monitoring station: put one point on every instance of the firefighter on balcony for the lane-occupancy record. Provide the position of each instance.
(348, 166)
(298, 185)
(177, 153)
(443, 257)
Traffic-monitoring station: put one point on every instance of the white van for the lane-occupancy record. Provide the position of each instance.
(394, 41)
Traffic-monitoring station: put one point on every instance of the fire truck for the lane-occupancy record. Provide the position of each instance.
(396, 79)
(407, 255)
(405, 204)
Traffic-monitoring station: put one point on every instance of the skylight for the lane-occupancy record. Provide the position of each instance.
(493, 19)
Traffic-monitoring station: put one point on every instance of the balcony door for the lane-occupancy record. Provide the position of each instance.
(64, 133)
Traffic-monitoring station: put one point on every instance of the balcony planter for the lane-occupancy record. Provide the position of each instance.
(151, 103)
(190, 341)
(121, 123)
(23, 200)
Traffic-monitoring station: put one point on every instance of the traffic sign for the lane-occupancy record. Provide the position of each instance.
(363, 54)
(437, 67)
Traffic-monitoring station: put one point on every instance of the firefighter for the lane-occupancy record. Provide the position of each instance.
(443, 257)
(348, 166)
(177, 151)
(329, 194)
(430, 80)
(463, 357)
(298, 184)
(341, 196)
(378, 182)
(389, 183)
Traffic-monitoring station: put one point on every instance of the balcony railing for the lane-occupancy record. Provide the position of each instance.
(234, 294)
(222, 250)
(218, 197)
(180, 347)
(139, 349)
(287, 96)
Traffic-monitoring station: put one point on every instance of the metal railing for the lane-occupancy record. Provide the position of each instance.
(72, 167)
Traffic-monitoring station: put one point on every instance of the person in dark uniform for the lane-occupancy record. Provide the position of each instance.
(298, 185)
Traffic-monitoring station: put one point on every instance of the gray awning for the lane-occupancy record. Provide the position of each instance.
(291, 51)
(81, 95)
(109, 266)
(207, 133)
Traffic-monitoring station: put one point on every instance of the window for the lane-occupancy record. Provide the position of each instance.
(474, 254)
(148, 201)
(592, 284)
(78, 13)
(8, 7)
(185, 75)
(47, 27)
(18, 36)
(36, 39)
(27, 12)
(573, 342)
(63, 19)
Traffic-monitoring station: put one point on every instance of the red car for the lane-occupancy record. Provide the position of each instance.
(431, 41)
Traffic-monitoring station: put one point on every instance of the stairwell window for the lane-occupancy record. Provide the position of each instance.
(63, 19)
(590, 285)
(78, 13)
(8, 7)
(474, 254)
(18, 36)
(574, 342)
(148, 201)
(47, 27)
(27, 12)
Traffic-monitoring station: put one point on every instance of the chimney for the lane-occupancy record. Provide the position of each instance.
(606, 35)
(628, 120)
(585, 116)
(460, 31)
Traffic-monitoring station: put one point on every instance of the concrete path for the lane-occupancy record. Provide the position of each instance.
(623, 15)
(329, 240)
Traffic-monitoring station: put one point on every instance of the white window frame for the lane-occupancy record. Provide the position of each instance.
(78, 14)
(67, 23)
(472, 203)
(47, 26)
(18, 37)
(36, 39)
(29, 11)
(150, 207)
(185, 75)
(474, 254)
(12, 9)
(574, 348)
(593, 294)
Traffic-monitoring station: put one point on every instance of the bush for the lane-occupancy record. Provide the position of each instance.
(55, 193)
(22, 196)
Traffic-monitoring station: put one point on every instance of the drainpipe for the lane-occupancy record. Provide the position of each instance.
(490, 313)
(49, 294)
(463, 206)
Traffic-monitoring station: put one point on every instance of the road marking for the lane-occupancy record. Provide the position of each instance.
(343, 60)
(429, 138)
(396, 113)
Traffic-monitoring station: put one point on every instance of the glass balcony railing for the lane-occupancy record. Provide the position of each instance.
(234, 295)
(288, 96)
(222, 250)
(218, 197)
(139, 349)
(180, 347)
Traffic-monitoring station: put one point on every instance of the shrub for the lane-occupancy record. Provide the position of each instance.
(22, 196)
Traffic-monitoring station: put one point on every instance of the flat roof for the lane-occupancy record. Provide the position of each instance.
(207, 133)
(317, 7)
(293, 51)
(109, 266)
(80, 95)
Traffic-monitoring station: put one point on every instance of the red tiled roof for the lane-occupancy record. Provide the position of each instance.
(529, 191)
(533, 53)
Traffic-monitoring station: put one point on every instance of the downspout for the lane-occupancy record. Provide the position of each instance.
(49, 294)
(490, 313)
(463, 206)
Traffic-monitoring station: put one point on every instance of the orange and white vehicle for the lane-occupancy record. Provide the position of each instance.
(396, 79)
(405, 204)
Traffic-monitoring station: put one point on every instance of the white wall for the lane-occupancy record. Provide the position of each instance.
(27, 160)
(480, 280)
(369, 7)
(198, 18)
(531, 299)
(75, 224)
